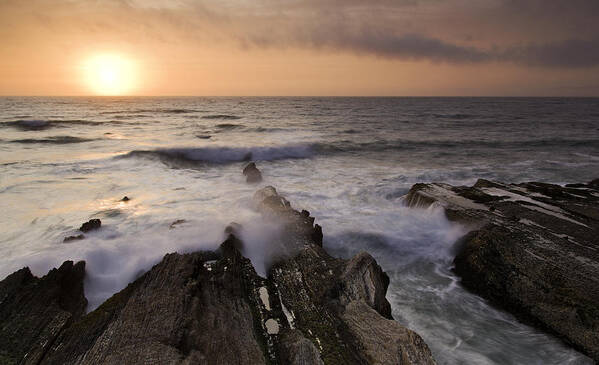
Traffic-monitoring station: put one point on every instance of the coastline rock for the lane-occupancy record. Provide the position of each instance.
(533, 250)
(125, 199)
(213, 308)
(34, 311)
(252, 174)
(73, 238)
(91, 225)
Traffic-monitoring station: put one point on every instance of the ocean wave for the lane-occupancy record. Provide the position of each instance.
(53, 140)
(228, 126)
(405, 144)
(42, 124)
(269, 129)
(221, 116)
(157, 110)
(190, 157)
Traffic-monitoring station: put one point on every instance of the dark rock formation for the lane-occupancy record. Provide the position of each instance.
(176, 223)
(125, 199)
(91, 225)
(73, 238)
(212, 308)
(534, 250)
(34, 311)
(252, 174)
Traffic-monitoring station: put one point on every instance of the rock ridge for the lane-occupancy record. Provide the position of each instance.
(533, 250)
(213, 308)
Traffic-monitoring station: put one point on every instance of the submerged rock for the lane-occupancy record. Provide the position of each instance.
(177, 223)
(252, 174)
(91, 225)
(533, 249)
(73, 238)
(213, 308)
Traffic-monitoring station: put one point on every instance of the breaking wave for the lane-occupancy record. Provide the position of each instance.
(189, 157)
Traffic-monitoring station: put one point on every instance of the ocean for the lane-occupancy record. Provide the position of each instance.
(348, 161)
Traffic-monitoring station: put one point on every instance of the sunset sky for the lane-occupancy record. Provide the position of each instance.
(299, 47)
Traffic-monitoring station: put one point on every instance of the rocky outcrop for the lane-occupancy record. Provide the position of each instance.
(91, 225)
(34, 311)
(533, 249)
(212, 308)
(252, 174)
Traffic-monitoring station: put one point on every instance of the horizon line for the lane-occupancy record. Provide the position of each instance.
(299, 96)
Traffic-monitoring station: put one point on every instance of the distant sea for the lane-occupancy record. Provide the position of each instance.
(348, 161)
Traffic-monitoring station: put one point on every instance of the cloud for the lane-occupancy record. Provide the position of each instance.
(572, 53)
(533, 33)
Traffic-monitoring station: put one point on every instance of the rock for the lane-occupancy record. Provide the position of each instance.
(91, 225)
(34, 311)
(252, 174)
(233, 228)
(268, 201)
(125, 199)
(298, 350)
(213, 308)
(533, 250)
(176, 223)
(73, 238)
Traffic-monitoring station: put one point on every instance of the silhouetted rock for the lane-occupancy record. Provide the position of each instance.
(34, 311)
(125, 199)
(91, 225)
(252, 174)
(73, 238)
(533, 250)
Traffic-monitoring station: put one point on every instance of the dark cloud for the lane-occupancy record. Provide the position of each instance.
(534, 33)
(569, 53)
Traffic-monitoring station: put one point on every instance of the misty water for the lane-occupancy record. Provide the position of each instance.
(348, 161)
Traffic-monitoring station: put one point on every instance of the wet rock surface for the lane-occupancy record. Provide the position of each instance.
(252, 174)
(73, 238)
(213, 308)
(533, 250)
(91, 225)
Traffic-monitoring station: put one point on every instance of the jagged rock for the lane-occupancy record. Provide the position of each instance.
(73, 238)
(212, 308)
(252, 174)
(192, 308)
(268, 201)
(533, 250)
(125, 199)
(364, 279)
(317, 293)
(34, 311)
(91, 225)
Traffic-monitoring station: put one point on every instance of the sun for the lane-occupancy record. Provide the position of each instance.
(110, 74)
